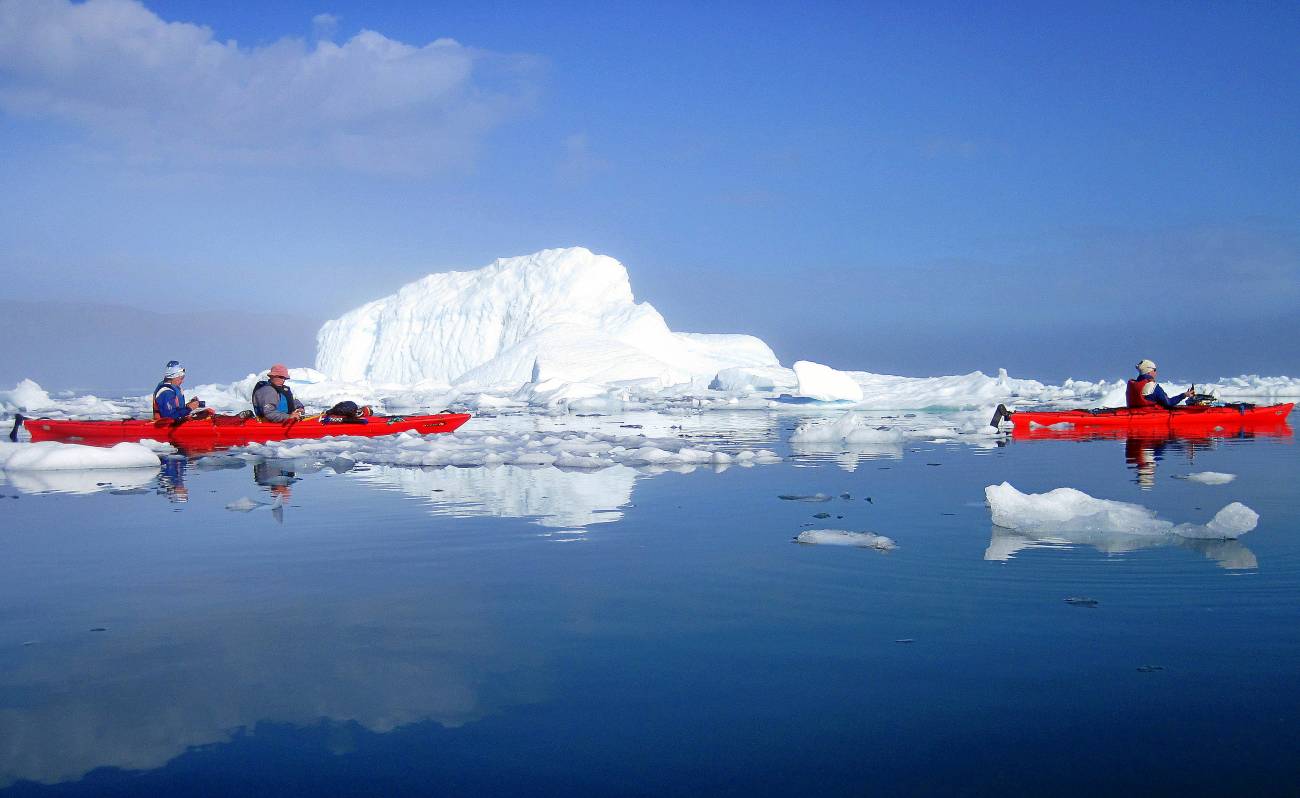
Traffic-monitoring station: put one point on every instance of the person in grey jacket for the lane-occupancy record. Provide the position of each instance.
(272, 398)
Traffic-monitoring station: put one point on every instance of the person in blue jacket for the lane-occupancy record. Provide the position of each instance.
(1146, 392)
(169, 399)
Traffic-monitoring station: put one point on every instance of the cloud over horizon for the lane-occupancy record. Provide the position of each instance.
(170, 91)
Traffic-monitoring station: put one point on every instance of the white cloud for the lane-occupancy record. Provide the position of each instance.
(171, 91)
(324, 26)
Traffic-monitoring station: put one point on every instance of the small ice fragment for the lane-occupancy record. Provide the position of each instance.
(1081, 601)
(904, 640)
(99, 629)
(821, 515)
(1211, 477)
(841, 537)
(1150, 668)
(794, 497)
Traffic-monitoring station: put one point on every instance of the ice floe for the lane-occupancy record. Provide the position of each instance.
(1072, 511)
(1211, 477)
(26, 396)
(54, 456)
(842, 537)
(574, 450)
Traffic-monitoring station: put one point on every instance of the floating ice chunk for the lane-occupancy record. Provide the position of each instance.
(1231, 522)
(796, 497)
(26, 396)
(848, 428)
(841, 537)
(754, 379)
(825, 384)
(1211, 477)
(55, 456)
(1073, 511)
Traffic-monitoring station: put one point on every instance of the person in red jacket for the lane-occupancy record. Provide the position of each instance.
(1146, 392)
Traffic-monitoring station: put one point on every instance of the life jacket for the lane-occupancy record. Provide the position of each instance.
(286, 403)
(165, 385)
(1133, 394)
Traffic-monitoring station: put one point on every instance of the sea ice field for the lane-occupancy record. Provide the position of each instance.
(651, 563)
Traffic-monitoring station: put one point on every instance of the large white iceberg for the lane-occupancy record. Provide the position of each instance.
(562, 315)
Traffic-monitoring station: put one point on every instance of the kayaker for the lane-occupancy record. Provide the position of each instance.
(1146, 392)
(169, 399)
(272, 398)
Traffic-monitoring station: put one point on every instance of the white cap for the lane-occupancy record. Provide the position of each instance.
(1146, 366)
(174, 369)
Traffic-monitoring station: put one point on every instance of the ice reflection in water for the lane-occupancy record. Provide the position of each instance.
(82, 481)
(1004, 544)
(553, 497)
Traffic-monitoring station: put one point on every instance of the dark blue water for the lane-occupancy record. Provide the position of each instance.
(392, 631)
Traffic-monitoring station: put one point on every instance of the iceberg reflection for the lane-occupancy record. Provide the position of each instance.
(1005, 543)
(553, 497)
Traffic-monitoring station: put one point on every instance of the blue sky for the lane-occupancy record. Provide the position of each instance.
(1059, 189)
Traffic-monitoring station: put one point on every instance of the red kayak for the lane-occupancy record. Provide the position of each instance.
(217, 432)
(1180, 419)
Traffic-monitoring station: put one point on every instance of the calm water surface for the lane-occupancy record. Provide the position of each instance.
(472, 631)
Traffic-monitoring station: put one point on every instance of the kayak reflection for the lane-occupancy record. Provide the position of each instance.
(276, 475)
(1142, 454)
(1144, 449)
